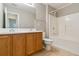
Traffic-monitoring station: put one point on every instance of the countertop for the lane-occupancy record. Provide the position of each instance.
(16, 31)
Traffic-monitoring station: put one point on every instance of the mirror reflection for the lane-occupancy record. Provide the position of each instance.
(11, 21)
(17, 15)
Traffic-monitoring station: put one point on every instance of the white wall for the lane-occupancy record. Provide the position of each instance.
(68, 32)
(1, 15)
(26, 19)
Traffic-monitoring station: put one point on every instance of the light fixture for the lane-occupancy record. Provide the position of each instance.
(29, 4)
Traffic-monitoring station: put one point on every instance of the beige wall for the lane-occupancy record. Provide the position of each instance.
(40, 22)
(42, 18)
(40, 11)
(1, 15)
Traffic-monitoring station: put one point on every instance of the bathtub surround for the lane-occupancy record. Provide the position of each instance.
(68, 21)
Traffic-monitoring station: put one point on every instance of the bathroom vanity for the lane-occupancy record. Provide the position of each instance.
(20, 43)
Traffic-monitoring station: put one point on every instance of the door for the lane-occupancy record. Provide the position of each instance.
(5, 46)
(38, 41)
(19, 45)
(30, 43)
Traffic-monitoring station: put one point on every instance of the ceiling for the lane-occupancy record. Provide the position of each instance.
(58, 5)
(32, 9)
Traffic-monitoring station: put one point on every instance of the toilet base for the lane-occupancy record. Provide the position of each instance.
(48, 47)
(48, 44)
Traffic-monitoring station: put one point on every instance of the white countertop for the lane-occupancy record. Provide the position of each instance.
(15, 31)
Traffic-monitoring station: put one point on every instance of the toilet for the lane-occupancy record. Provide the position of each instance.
(48, 43)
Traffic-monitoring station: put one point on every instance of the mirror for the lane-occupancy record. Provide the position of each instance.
(11, 19)
(17, 15)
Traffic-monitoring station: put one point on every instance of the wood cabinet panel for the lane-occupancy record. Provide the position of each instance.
(30, 43)
(38, 41)
(5, 48)
(19, 45)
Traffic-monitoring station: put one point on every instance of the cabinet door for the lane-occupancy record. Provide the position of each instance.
(19, 45)
(5, 45)
(38, 41)
(30, 43)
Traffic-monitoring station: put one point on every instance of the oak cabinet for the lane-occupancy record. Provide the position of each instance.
(33, 42)
(38, 41)
(30, 43)
(19, 45)
(5, 42)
